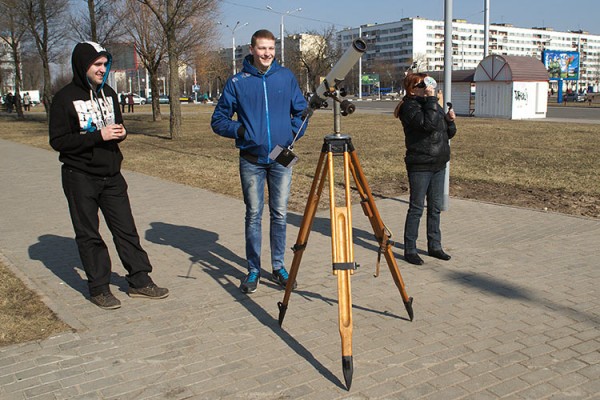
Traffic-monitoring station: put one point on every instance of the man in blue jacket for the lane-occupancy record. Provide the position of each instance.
(269, 105)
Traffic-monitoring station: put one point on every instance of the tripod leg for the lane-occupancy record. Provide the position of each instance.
(307, 220)
(379, 229)
(343, 264)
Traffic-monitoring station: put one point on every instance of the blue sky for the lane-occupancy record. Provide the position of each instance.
(562, 15)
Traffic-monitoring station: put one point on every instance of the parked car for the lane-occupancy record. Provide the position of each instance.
(162, 99)
(575, 97)
(184, 98)
(137, 99)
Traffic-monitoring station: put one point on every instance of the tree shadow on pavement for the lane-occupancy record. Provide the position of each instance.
(204, 250)
(59, 254)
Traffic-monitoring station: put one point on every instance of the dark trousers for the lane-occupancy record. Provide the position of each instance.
(85, 195)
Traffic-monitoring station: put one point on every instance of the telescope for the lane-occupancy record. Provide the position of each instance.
(328, 87)
(339, 146)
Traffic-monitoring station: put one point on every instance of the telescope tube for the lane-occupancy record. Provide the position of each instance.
(342, 67)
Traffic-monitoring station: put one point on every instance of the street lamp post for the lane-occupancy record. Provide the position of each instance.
(283, 14)
(235, 28)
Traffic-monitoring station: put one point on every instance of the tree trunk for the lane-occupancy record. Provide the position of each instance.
(93, 28)
(47, 95)
(156, 115)
(18, 82)
(175, 104)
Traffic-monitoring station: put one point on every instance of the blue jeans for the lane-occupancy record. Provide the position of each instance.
(279, 181)
(430, 185)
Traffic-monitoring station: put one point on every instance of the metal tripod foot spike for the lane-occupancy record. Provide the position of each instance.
(282, 310)
(408, 306)
(348, 368)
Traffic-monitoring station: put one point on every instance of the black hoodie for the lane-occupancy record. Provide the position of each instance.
(79, 112)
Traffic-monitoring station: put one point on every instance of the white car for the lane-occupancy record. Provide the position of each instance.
(137, 99)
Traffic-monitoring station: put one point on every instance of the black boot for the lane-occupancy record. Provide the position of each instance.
(413, 258)
(439, 254)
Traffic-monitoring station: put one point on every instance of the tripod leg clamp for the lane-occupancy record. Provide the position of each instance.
(298, 247)
(344, 266)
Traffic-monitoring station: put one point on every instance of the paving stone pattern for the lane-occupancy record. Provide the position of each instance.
(513, 315)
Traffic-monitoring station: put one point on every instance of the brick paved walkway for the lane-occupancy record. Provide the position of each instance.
(514, 314)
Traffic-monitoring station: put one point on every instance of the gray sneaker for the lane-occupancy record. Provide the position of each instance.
(149, 292)
(251, 282)
(281, 276)
(106, 301)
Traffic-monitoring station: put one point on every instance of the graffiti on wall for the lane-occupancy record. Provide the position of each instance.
(520, 98)
(520, 95)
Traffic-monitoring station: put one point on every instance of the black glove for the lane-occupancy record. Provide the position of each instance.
(240, 132)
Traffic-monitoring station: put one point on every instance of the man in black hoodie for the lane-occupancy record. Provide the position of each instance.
(86, 126)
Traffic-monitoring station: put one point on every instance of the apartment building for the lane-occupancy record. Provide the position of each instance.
(421, 41)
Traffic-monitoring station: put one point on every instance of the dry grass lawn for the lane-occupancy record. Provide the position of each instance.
(23, 316)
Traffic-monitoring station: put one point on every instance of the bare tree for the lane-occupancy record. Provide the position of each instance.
(100, 22)
(175, 17)
(16, 29)
(318, 55)
(33, 73)
(389, 74)
(213, 71)
(150, 43)
(45, 21)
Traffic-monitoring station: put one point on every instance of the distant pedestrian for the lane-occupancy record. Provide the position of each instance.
(86, 127)
(123, 101)
(27, 101)
(130, 102)
(10, 102)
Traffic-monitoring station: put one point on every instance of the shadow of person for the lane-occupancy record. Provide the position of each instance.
(219, 263)
(502, 288)
(59, 254)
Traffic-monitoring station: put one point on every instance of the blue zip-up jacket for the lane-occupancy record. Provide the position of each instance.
(268, 105)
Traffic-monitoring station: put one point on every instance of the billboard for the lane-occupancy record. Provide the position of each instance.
(561, 64)
(370, 79)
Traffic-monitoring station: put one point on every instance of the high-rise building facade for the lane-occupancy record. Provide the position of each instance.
(421, 41)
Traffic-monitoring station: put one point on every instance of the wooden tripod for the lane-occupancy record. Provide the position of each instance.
(341, 237)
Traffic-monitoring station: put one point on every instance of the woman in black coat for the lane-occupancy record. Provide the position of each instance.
(427, 131)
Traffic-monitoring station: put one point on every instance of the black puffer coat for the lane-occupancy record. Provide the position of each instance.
(427, 133)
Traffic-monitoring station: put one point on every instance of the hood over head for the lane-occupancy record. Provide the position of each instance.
(84, 55)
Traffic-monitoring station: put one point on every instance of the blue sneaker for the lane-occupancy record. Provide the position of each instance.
(251, 282)
(281, 276)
